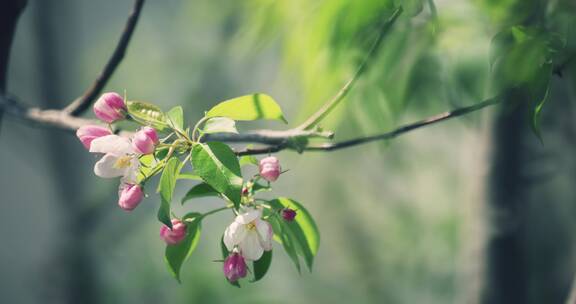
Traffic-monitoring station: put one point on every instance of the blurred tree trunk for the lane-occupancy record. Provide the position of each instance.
(73, 270)
(531, 204)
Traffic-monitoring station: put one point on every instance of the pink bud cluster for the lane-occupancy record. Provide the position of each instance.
(110, 107)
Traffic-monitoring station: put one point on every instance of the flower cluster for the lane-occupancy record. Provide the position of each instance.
(136, 157)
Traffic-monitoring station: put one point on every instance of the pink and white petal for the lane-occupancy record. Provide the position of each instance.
(265, 232)
(250, 247)
(111, 144)
(249, 216)
(234, 234)
(105, 167)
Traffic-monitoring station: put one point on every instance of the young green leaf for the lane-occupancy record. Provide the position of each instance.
(220, 125)
(175, 255)
(248, 107)
(189, 176)
(303, 229)
(147, 114)
(218, 166)
(200, 190)
(248, 160)
(166, 189)
(175, 118)
(261, 266)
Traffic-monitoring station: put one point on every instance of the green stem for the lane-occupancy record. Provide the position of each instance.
(332, 103)
(216, 210)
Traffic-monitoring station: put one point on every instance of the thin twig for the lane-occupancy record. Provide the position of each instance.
(332, 103)
(81, 104)
(383, 136)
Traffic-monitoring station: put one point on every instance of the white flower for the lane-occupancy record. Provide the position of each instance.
(250, 233)
(119, 158)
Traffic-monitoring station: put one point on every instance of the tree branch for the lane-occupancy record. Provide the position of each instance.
(383, 136)
(82, 103)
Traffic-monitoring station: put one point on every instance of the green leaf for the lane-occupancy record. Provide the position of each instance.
(147, 114)
(248, 107)
(248, 160)
(176, 117)
(219, 125)
(189, 176)
(200, 190)
(302, 230)
(225, 254)
(259, 187)
(175, 255)
(262, 265)
(218, 166)
(284, 236)
(166, 189)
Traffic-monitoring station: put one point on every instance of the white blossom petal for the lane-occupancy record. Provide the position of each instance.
(111, 144)
(106, 168)
(249, 216)
(250, 247)
(234, 234)
(131, 173)
(265, 232)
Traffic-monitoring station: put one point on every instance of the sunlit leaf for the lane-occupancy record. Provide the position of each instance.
(248, 160)
(220, 125)
(248, 107)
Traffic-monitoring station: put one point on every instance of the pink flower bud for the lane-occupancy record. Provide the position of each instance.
(175, 235)
(270, 168)
(110, 107)
(288, 214)
(87, 134)
(234, 267)
(144, 140)
(130, 196)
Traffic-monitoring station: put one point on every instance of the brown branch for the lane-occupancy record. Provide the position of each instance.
(81, 104)
(383, 136)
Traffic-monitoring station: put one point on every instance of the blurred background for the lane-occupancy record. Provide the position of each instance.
(474, 210)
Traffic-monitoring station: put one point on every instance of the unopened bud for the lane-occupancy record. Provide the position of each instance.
(175, 235)
(288, 214)
(130, 196)
(270, 168)
(110, 107)
(234, 267)
(145, 140)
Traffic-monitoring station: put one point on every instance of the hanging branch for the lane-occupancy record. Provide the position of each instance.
(82, 103)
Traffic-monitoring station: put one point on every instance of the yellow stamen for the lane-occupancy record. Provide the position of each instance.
(251, 226)
(122, 162)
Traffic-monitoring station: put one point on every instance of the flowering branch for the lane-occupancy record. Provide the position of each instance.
(82, 103)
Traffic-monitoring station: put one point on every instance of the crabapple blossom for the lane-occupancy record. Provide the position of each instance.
(144, 140)
(270, 168)
(234, 267)
(130, 195)
(110, 107)
(175, 235)
(87, 134)
(119, 158)
(250, 233)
